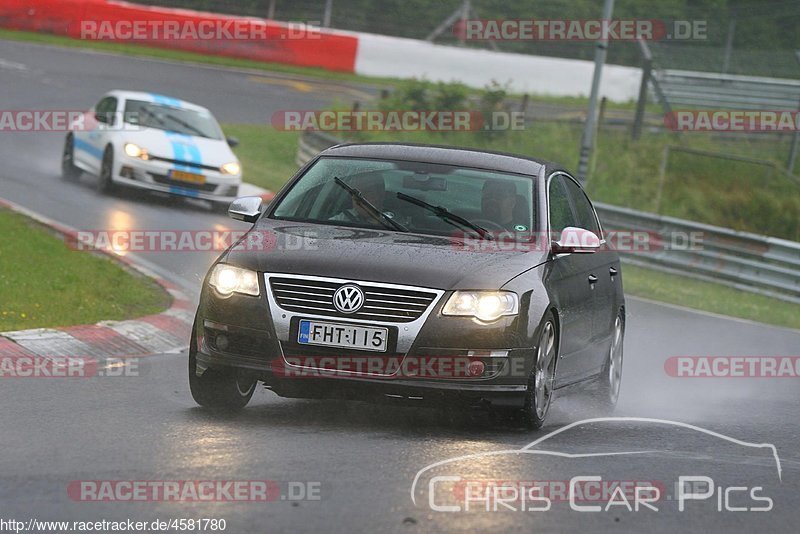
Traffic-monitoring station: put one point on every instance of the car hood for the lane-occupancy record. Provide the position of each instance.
(378, 256)
(170, 145)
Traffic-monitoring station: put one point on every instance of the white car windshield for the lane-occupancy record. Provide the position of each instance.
(172, 119)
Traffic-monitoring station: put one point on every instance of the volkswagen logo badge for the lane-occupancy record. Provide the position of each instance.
(348, 299)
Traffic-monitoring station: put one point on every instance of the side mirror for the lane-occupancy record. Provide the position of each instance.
(576, 241)
(100, 117)
(232, 141)
(245, 209)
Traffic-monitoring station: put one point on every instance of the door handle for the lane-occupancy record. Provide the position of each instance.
(613, 272)
(592, 279)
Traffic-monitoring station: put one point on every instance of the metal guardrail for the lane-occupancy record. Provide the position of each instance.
(759, 264)
(755, 263)
(311, 144)
(728, 91)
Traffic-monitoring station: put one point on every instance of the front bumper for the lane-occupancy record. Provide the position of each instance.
(253, 340)
(415, 391)
(154, 175)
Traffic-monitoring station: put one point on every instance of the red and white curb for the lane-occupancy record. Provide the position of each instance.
(166, 332)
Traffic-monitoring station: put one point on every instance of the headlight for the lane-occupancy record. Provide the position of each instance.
(485, 305)
(231, 168)
(227, 279)
(135, 151)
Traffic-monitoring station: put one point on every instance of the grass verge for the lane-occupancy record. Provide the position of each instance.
(44, 283)
(266, 154)
(708, 296)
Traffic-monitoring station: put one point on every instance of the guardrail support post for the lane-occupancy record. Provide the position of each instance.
(662, 176)
(647, 70)
(793, 151)
(587, 139)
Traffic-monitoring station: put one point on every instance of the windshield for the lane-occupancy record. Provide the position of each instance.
(172, 119)
(417, 197)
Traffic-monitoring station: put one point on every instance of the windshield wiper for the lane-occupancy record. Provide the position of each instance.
(151, 114)
(358, 196)
(446, 215)
(185, 124)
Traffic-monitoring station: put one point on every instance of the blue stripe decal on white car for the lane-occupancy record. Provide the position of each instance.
(80, 144)
(184, 149)
(166, 100)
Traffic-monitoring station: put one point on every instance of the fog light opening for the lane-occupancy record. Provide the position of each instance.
(222, 342)
(476, 368)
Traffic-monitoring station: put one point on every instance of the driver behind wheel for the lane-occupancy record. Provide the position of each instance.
(373, 187)
(498, 200)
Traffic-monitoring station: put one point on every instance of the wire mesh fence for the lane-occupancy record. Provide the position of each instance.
(743, 37)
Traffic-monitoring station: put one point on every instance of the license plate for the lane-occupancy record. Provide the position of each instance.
(190, 177)
(343, 335)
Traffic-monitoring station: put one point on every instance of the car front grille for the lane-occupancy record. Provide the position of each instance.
(381, 303)
(164, 180)
(185, 163)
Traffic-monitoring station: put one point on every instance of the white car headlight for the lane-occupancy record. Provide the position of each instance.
(227, 279)
(231, 168)
(485, 305)
(135, 151)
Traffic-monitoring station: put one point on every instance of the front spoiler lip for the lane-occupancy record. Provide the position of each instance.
(167, 189)
(206, 359)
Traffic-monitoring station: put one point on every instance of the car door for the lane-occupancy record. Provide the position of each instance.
(604, 266)
(567, 279)
(90, 144)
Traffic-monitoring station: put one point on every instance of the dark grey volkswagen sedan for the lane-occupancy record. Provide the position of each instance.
(410, 273)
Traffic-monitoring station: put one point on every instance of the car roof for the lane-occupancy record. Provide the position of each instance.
(448, 155)
(156, 98)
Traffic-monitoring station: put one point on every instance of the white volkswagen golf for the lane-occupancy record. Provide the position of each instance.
(151, 141)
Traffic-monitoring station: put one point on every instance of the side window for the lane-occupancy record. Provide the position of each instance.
(105, 110)
(583, 208)
(560, 211)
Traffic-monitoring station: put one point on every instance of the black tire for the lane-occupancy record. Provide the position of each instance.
(609, 382)
(542, 377)
(220, 389)
(69, 171)
(105, 182)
